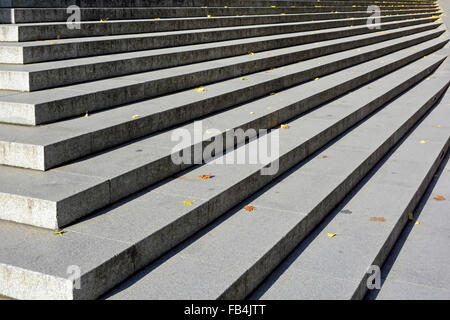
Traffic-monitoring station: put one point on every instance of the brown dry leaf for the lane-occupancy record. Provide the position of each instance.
(206, 176)
(249, 208)
(378, 219)
(324, 156)
(439, 197)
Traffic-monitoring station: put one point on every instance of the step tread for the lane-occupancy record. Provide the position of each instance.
(134, 220)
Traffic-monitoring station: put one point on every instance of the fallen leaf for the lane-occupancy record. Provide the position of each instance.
(284, 126)
(417, 223)
(252, 113)
(423, 141)
(86, 115)
(206, 176)
(378, 219)
(201, 89)
(251, 53)
(439, 197)
(189, 203)
(249, 208)
(411, 217)
(316, 79)
(59, 233)
(331, 235)
(135, 116)
(244, 79)
(273, 93)
(323, 156)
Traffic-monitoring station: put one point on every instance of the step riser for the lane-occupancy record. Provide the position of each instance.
(178, 3)
(29, 156)
(34, 81)
(157, 244)
(43, 32)
(256, 275)
(21, 55)
(95, 14)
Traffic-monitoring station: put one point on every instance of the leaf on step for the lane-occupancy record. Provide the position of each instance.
(423, 141)
(135, 116)
(273, 93)
(86, 115)
(58, 37)
(251, 53)
(439, 197)
(206, 176)
(249, 208)
(252, 113)
(323, 156)
(417, 223)
(157, 19)
(378, 219)
(209, 16)
(284, 126)
(201, 89)
(59, 233)
(243, 79)
(411, 217)
(316, 79)
(189, 203)
(331, 235)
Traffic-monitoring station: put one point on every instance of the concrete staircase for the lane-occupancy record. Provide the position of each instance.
(88, 181)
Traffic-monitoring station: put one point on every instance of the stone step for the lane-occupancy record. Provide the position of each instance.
(90, 185)
(115, 243)
(228, 259)
(56, 104)
(417, 267)
(46, 75)
(189, 3)
(36, 15)
(339, 268)
(250, 25)
(40, 51)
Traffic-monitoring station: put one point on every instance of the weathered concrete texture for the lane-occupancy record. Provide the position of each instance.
(138, 222)
(29, 15)
(120, 176)
(49, 146)
(47, 31)
(389, 193)
(46, 75)
(261, 239)
(418, 267)
(38, 51)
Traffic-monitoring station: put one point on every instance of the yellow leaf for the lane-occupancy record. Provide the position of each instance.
(252, 112)
(201, 89)
(189, 203)
(331, 235)
(411, 217)
(284, 126)
(249, 208)
(244, 79)
(417, 223)
(135, 116)
(251, 53)
(316, 79)
(423, 141)
(58, 37)
(59, 233)
(273, 93)
(86, 115)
